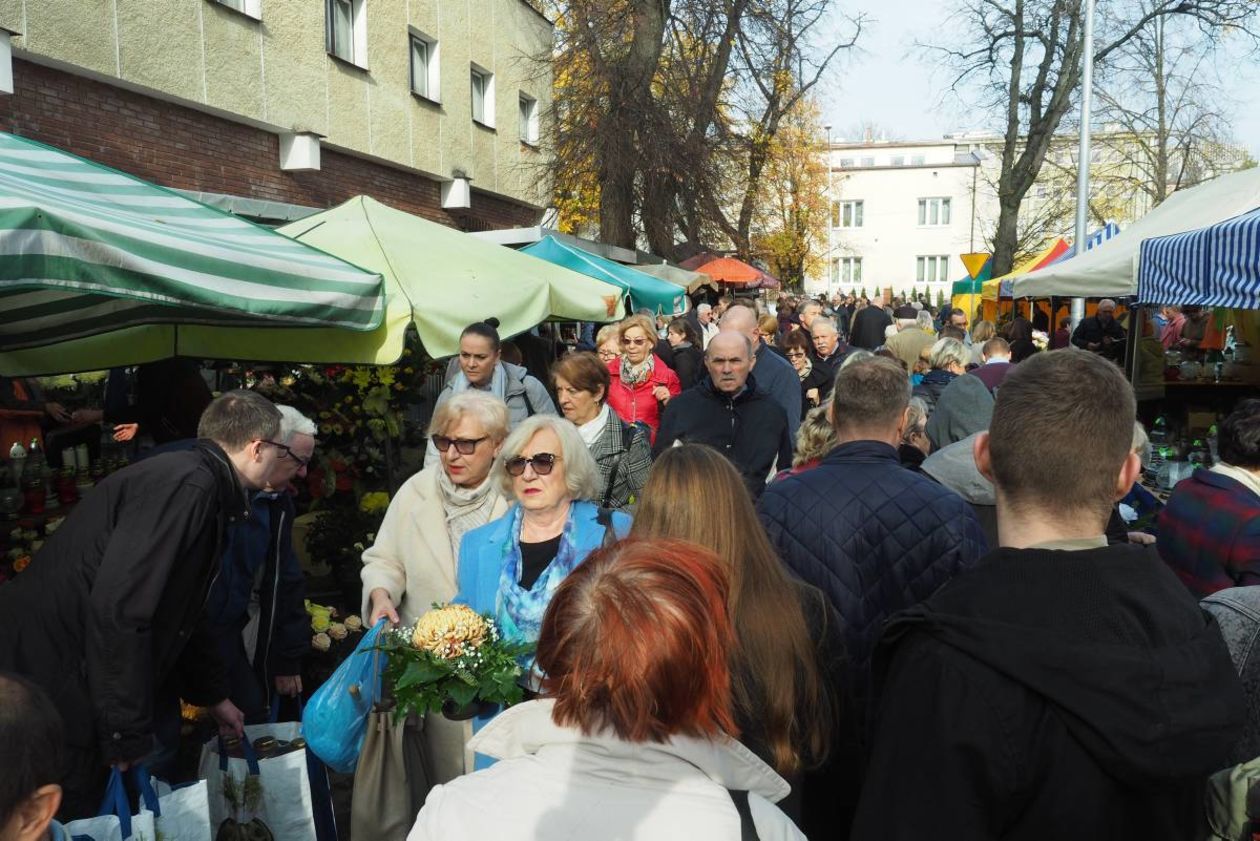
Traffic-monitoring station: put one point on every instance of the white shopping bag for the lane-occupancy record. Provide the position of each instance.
(179, 814)
(115, 822)
(275, 803)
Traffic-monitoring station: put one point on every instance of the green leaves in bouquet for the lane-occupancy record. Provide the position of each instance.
(421, 681)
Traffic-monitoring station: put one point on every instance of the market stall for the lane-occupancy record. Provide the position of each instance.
(646, 292)
(102, 269)
(998, 290)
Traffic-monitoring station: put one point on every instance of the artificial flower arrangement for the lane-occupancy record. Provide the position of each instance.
(451, 661)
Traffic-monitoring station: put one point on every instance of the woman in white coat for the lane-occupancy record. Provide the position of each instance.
(634, 736)
(412, 563)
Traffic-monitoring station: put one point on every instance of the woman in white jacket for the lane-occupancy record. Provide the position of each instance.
(634, 737)
(413, 561)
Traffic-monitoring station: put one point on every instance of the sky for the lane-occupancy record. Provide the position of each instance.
(892, 83)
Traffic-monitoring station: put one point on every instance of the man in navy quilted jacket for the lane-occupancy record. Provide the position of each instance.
(875, 537)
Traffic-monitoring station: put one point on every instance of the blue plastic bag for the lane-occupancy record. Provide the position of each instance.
(335, 720)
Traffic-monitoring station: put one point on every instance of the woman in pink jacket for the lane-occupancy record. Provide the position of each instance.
(641, 382)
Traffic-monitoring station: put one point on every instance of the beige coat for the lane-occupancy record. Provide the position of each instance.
(412, 559)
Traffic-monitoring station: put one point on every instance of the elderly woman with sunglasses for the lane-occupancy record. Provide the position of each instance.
(510, 568)
(641, 382)
(412, 563)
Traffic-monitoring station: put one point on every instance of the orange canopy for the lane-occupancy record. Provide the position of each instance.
(730, 270)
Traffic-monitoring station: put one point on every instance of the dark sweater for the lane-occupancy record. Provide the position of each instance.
(1050, 694)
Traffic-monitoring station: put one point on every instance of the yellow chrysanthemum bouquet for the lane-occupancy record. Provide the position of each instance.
(451, 661)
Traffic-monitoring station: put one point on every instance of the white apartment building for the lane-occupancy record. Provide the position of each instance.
(903, 212)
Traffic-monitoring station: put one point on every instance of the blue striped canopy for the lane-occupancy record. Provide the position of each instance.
(1216, 266)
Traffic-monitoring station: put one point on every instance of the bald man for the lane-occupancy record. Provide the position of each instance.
(727, 411)
(775, 375)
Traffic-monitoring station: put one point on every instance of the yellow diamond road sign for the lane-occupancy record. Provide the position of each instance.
(973, 263)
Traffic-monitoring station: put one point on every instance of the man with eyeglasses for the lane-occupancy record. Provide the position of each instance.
(109, 618)
(256, 607)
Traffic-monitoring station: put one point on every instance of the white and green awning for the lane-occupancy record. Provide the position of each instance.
(86, 250)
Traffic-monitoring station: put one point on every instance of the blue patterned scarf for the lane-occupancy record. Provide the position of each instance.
(519, 612)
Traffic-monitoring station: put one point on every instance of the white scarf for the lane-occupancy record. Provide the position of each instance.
(1242, 475)
(466, 508)
(592, 429)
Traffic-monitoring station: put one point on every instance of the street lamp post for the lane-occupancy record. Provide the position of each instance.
(831, 220)
(1082, 162)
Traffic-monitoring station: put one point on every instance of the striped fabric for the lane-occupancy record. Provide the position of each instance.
(1216, 266)
(85, 250)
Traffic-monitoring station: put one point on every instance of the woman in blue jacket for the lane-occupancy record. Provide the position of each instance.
(511, 567)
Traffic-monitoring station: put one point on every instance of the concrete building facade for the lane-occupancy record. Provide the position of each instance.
(433, 106)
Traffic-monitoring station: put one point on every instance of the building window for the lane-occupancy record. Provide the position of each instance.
(917, 160)
(529, 119)
(846, 214)
(933, 211)
(931, 269)
(249, 8)
(899, 160)
(424, 66)
(868, 162)
(482, 96)
(846, 163)
(846, 269)
(347, 30)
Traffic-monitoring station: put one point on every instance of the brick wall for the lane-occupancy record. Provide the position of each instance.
(185, 149)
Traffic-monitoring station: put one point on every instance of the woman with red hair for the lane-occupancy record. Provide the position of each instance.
(634, 736)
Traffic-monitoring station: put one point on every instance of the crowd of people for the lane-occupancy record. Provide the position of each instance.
(845, 570)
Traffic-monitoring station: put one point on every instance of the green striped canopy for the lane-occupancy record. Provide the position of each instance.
(86, 250)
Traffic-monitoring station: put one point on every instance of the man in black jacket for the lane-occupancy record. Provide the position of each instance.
(1062, 688)
(1101, 333)
(728, 412)
(108, 619)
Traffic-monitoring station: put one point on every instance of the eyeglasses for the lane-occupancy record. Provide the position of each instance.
(287, 452)
(463, 446)
(608, 354)
(541, 462)
(795, 353)
(634, 342)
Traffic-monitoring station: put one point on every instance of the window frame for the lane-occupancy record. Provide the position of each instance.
(850, 265)
(528, 127)
(854, 209)
(935, 212)
(432, 67)
(939, 264)
(251, 9)
(486, 119)
(358, 32)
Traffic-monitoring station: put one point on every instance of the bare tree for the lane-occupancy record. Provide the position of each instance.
(1025, 58)
(1166, 131)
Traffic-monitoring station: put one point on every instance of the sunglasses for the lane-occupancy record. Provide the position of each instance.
(286, 452)
(795, 353)
(541, 462)
(463, 446)
(634, 342)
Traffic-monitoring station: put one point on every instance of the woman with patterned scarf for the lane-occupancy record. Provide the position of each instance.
(641, 382)
(511, 568)
(412, 562)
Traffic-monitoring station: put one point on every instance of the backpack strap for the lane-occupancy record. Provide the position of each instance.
(747, 829)
(604, 516)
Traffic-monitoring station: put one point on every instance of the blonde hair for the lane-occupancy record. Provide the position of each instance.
(982, 331)
(581, 475)
(642, 322)
(489, 410)
(607, 333)
(815, 438)
(948, 350)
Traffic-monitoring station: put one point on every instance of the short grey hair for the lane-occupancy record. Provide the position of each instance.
(917, 418)
(948, 350)
(234, 419)
(704, 308)
(489, 410)
(1108, 303)
(581, 474)
(823, 321)
(1142, 444)
(924, 320)
(855, 356)
(293, 422)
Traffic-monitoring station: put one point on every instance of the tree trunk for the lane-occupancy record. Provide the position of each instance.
(1006, 238)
